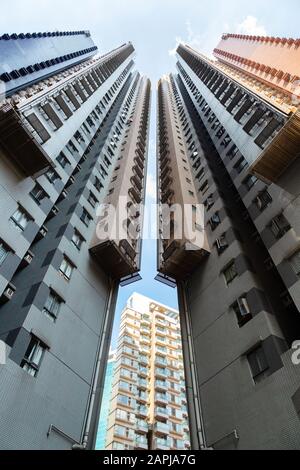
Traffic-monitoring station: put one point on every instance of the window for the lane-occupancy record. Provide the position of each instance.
(295, 262)
(20, 219)
(240, 165)
(250, 181)
(85, 217)
(209, 202)
(204, 187)
(263, 199)
(62, 160)
(242, 311)
(77, 239)
(215, 221)
(97, 183)
(52, 306)
(38, 194)
(4, 251)
(221, 244)
(230, 273)
(258, 364)
(92, 199)
(279, 226)
(126, 433)
(191, 193)
(125, 400)
(232, 152)
(33, 357)
(66, 268)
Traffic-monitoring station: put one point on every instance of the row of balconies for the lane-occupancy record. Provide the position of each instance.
(280, 149)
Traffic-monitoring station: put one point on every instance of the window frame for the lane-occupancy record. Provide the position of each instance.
(70, 264)
(35, 347)
(225, 270)
(25, 215)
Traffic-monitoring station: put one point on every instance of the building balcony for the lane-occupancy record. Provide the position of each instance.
(179, 262)
(137, 182)
(143, 371)
(130, 353)
(116, 260)
(141, 443)
(160, 412)
(142, 397)
(145, 331)
(128, 437)
(145, 321)
(129, 341)
(161, 444)
(166, 182)
(173, 364)
(142, 411)
(143, 384)
(179, 445)
(144, 349)
(161, 428)
(140, 173)
(166, 171)
(135, 194)
(145, 340)
(167, 195)
(161, 385)
(141, 426)
(160, 398)
(281, 152)
(20, 145)
(143, 359)
(161, 340)
(160, 373)
(140, 162)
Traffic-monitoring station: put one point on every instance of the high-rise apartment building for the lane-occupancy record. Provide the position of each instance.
(68, 143)
(148, 402)
(228, 138)
(105, 402)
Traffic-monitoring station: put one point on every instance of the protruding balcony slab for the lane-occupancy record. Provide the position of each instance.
(20, 145)
(281, 152)
(178, 262)
(116, 260)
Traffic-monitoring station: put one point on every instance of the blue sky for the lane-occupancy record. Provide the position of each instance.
(154, 27)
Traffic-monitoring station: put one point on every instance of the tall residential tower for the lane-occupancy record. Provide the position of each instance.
(229, 135)
(148, 402)
(68, 143)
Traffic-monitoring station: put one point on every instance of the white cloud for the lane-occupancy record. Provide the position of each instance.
(251, 26)
(204, 42)
(193, 39)
(207, 41)
(178, 40)
(151, 187)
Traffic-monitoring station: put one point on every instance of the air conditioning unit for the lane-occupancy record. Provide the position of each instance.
(54, 210)
(28, 257)
(9, 292)
(43, 231)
